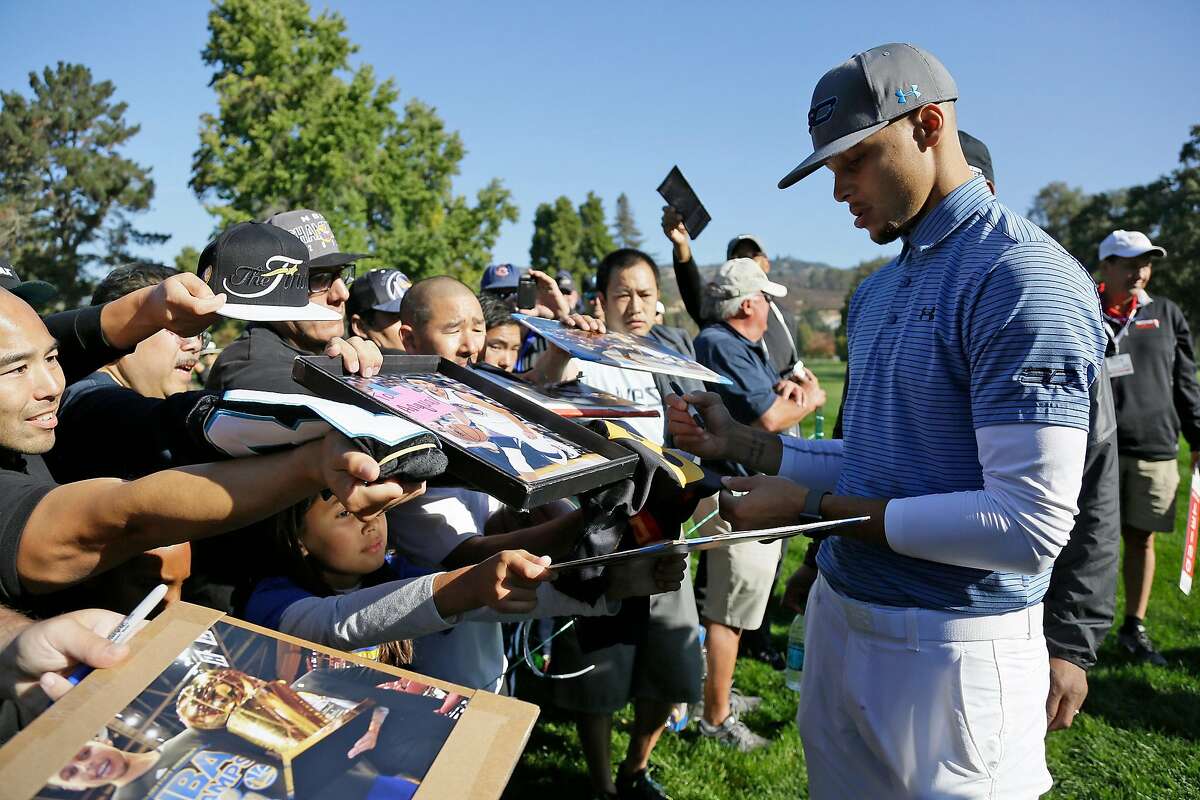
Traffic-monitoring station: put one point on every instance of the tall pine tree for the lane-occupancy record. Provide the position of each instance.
(67, 194)
(625, 230)
(596, 241)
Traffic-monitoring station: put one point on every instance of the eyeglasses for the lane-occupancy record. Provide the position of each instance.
(320, 282)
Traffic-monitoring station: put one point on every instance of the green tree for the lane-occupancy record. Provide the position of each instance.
(67, 194)
(625, 229)
(596, 242)
(297, 127)
(557, 237)
(187, 259)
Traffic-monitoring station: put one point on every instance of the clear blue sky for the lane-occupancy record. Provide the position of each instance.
(562, 98)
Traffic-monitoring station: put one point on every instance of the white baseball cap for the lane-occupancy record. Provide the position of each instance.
(1128, 244)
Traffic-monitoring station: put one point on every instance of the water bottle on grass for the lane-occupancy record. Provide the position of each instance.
(795, 654)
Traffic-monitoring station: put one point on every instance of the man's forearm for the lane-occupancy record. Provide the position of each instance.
(123, 323)
(757, 449)
(782, 414)
(553, 538)
(841, 507)
(80, 529)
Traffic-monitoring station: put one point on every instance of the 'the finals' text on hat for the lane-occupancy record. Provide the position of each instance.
(263, 271)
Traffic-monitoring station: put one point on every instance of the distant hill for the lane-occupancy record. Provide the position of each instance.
(812, 285)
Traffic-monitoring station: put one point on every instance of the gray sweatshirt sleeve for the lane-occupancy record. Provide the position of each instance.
(550, 603)
(366, 617)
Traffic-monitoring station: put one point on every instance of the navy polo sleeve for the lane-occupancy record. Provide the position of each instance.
(752, 392)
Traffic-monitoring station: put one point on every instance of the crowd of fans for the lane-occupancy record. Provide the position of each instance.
(1004, 424)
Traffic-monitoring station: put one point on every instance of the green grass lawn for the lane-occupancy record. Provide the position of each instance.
(1138, 735)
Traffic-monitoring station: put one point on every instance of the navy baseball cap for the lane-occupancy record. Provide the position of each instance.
(500, 277)
(378, 290)
(862, 95)
(35, 293)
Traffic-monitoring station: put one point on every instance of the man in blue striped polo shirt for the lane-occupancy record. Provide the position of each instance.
(965, 426)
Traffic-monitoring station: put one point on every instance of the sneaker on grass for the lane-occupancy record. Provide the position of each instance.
(639, 786)
(739, 704)
(1138, 643)
(733, 733)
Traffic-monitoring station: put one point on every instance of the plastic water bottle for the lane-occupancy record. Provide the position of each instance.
(795, 654)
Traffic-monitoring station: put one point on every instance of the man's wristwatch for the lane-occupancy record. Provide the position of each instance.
(812, 506)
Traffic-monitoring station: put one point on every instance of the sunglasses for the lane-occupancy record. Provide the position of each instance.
(321, 281)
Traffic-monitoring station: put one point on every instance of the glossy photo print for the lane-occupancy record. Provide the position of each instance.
(620, 350)
(467, 418)
(239, 714)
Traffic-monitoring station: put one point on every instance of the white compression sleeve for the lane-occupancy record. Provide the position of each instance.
(1022, 517)
(815, 463)
(394, 610)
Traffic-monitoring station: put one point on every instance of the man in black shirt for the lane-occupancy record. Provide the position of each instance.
(261, 358)
(52, 536)
(1157, 398)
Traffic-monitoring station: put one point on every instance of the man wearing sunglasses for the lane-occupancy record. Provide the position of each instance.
(261, 358)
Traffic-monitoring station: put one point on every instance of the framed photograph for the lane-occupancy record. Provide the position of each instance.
(211, 707)
(571, 399)
(496, 440)
(620, 350)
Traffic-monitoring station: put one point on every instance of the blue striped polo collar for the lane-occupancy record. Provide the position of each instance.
(955, 208)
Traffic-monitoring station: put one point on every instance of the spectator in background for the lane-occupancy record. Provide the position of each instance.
(740, 578)
(159, 367)
(261, 358)
(374, 307)
(500, 280)
(503, 337)
(1156, 398)
(778, 342)
(665, 669)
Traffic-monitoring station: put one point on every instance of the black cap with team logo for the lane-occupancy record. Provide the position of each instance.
(862, 95)
(263, 272)
(36, 293)
(313, 230)
(378, 290)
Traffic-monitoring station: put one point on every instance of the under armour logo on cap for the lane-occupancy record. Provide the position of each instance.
(821, 112)
(902, 96)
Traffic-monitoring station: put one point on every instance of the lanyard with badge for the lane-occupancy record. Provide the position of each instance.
(1120, 364)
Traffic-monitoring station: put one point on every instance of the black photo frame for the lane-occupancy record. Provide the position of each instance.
(323, 376)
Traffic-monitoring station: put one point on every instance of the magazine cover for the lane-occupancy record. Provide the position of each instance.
(466, 417)
(620, 350)
(241, 715)
(571, 399)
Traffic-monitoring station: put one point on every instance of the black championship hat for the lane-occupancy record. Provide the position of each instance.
(979, 158)
(311, 228)
(35, 293)
(263, 272)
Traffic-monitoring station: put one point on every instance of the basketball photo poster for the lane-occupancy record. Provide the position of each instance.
(466, 417)
(240, 714)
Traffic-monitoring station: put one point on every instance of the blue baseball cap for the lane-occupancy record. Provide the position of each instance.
(499, 277)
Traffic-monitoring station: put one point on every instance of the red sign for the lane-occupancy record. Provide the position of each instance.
(1189, 544)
